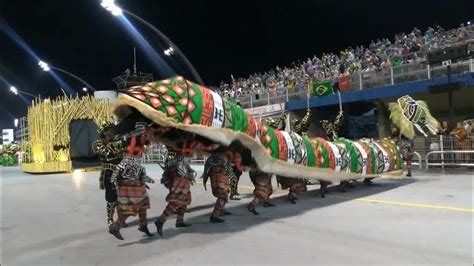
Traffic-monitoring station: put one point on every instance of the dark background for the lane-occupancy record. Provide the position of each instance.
(220, 38)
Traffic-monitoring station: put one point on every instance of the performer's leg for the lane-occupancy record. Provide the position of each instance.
(237, 183)
(268, 203)
(110, 212)
(143, 223)
(266, 200)
(368, 181)
(110, 197)
(409, 168)
(169, 210)
(292, 196)
(324, 188)
(343, 186)
(180, 218)
(114, 229)
(218, 209)
(349, 184)
(252, 205)
(234, 183)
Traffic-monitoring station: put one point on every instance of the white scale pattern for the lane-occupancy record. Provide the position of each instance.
(218, 115)
(291, 147)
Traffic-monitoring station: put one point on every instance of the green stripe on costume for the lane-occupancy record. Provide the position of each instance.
(311, 161)
(239, 118)
(351, 150)
(197, 101)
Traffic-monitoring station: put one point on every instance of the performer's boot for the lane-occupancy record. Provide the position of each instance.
(252, 210)
(144, 229)
(214, 219)
(110, 212)
(292, 198)
(324, 189)
(234, 197)
(342, 186)
(182, 224)
(349, 184)
(115, 232)
(368, 181)
(180, 219)
(409, 168)
(233, 190)
(268, 204)
(159, 226)
(225, 213)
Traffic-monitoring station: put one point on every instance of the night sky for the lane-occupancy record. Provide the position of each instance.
(220, 38)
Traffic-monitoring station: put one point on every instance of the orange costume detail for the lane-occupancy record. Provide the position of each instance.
(263, 187)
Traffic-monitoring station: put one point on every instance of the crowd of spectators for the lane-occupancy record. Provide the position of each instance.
(381, 54)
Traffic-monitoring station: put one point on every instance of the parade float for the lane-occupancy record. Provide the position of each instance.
(47, 146)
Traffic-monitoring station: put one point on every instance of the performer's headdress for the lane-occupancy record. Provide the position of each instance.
(279, 124)
(301, 127)
(408, 114)
(107, 125)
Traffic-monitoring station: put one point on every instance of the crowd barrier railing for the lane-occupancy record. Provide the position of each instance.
(420, 161)
(445, 150)
(454, 163)
(362, 81)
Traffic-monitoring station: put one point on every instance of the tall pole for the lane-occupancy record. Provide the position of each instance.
(164, 37)
(74, 76)
(134, 60)
(450, 97)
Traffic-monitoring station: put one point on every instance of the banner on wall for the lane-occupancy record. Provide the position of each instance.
(266, 110)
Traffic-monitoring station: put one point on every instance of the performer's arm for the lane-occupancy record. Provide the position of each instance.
(146, 178)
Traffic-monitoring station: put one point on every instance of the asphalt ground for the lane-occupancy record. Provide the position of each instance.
(59, 219)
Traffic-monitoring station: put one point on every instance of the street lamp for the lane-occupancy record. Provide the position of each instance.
(44, 66)
(84, 89)
(110, 6)
(16, 91)
(47, 68)
(15, 122)
(169, 51)
(115, 10)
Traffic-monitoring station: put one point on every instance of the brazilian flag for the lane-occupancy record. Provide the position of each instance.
(323, 88)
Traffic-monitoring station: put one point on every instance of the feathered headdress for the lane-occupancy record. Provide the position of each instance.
(408, 114)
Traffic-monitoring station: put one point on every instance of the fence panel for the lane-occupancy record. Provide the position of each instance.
(438, 144)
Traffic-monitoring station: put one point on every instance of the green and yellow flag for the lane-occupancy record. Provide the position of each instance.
(323, 88)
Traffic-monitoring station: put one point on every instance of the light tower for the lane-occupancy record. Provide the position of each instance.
(129, 79)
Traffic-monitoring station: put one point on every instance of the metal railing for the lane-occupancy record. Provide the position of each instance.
(156, 154)
(420, 161)
(362, 81)
(443, 163)
(445, 150)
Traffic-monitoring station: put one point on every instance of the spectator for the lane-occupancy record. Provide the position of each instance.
(444, 128)
(467, 127)
(462, 140)
(381, 54)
